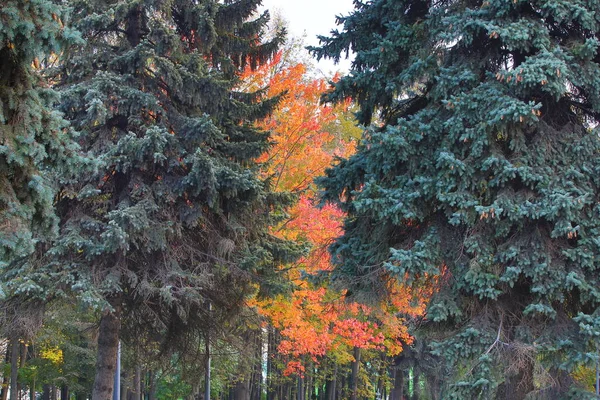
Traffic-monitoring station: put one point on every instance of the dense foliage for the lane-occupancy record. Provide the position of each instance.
(157, 202)
(480, 169)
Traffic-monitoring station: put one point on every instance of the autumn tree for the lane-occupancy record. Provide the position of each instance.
(479, 166)
(317, 329)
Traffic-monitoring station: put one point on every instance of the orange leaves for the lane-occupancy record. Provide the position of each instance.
(359, 334)
(303, 146)
(315, 321)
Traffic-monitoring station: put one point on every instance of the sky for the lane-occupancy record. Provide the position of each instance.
(313, 17)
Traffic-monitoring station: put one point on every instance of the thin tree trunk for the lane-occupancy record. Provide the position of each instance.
(152, 385)
(5, 379)
(354, 378)
(137, 383)
(397, 392)
(330, 386)
(64, 392)
(46, 392)
(22, 359)
(14, 368)
(108, 345)
(207, 366)
(300, 393)
(270, 369)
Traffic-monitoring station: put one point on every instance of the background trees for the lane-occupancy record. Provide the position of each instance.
(479, 169)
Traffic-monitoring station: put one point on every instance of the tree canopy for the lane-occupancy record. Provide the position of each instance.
(480, 171)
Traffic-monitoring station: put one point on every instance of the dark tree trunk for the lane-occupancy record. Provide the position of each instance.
(5, 380)
(300, 388)
(22, 359)
(137, 383)
(80, 396)
(64, 392)
(14, 368)
(397, 392)
(108, 345)
(241, 391)
(46, 392)
(354, 378)
(330, 386)
(270, 369)
(309, 383)
(415, 383)
(152, 385)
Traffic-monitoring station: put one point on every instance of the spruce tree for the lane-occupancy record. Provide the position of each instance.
(35, 142)
(172, 229)
(478, 175)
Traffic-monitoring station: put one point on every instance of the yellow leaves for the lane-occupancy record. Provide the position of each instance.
(52, 354)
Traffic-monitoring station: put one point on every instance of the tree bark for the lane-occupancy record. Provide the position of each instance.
(5, 380)
(354, 378)
(270, 369)
(46, 392)
(330, 386)
(108, 344)
(300, 393)
(14, 368)
(137, 383)
(415, 381)
(152, 385)
(397, 392)
(242, 390)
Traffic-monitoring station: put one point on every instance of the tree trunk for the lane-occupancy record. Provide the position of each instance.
(330, 386)
(397, 392)
(22, 359)
(241, 390)
(108, 345)
(415, 384)
(137, 383)
(46, 392)
(300, 393)
(5, 379)
(152, 386)
(207, 366)
(14, 368)
(270, 369)
(354, 378)
(64, 392)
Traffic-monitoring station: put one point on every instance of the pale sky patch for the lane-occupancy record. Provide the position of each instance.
(312, 18)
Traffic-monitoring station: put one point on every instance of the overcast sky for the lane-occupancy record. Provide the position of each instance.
(313, 17)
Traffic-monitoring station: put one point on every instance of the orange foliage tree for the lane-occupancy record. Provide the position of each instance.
(315, 321)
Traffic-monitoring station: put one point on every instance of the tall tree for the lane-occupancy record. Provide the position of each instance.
(34, 138)
(35, 150)
(175, 216)
(480, 168)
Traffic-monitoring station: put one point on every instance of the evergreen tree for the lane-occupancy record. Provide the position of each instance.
(34, 139)
(172, 229)
(480, 175)
(35, 150)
